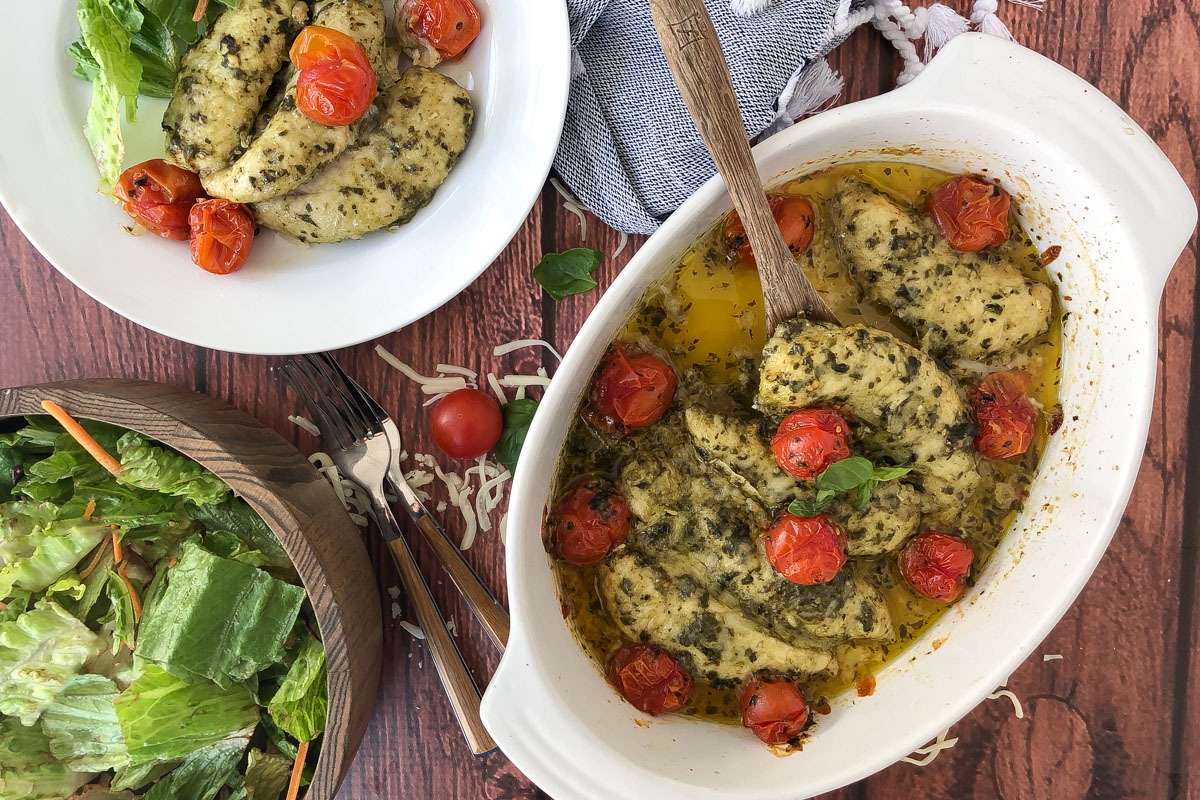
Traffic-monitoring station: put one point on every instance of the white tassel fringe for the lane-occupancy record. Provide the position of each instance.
(942, 24)
(809, 90)
(748, 8)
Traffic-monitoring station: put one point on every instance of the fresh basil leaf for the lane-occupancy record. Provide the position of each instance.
(567, 273)
(842, 476)
(517, 417)
(810, 508)
(176, 16)
(861, 496)
(882, 474)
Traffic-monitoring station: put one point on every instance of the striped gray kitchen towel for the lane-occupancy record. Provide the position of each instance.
(629, 149)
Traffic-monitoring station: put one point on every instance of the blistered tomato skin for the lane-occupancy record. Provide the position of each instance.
(774, 710)
(793, 215)
(809, 440)
(159, 196)
(804, 550)
(466, 423)
(336, 84)
(445, 27)
(970, 214)
(936, 565)
(221, 235)
(632, 390)
(1004, 414)
(589, 522)
(317, 44)
(650, 678)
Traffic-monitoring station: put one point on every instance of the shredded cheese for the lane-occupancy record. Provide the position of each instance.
(1052, 657)
(571, 205)
(414, 630)
(304, 424)
(518, 381)
(930, 751)
(497, 389)
(519, 344)
(450, 369)
(996, 695)
(624, 240)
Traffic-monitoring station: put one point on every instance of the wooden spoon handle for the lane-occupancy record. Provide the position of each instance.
(694, 54)
(456, 678)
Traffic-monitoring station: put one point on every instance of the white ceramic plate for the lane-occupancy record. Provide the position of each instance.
(287, 299)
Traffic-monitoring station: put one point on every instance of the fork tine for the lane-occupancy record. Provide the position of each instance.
(347, 390)
(369, 403)
(330, 419)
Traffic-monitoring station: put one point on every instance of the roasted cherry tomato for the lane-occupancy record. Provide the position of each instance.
(316, 44)
(1005, 415)
(632, 390)
(335, 92)
(806, 550)
(774, 710)
(433, 30)
(809, 440)
(466, 423)
(650, 678)
(159, 197)
(970, 214)
(221, 235)
(589, 521)
(793, 215)
(936, 565)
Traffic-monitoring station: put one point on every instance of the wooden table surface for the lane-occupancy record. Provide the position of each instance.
(1117, 717)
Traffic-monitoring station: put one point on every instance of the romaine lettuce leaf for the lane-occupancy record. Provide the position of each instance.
(228, 545)
(39, 652)
(39, 433)
(299, 706)
(218, 619)
(103, 25)
(125, 506)
(163, 718)
(149, 466)
(28, 770)
(204, 772)
(12, 464)
(153, 46)
(36, 550)
(236, 516)
(66, 588)
(267, 775)
(93, 590)
(16, 605)
(143, 774)
(82, 725)
(124, 622)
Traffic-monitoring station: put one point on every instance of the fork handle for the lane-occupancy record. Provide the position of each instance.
(487, 609)
(456, 678)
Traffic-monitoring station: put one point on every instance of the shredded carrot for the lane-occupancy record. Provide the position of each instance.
(297, 771)
(3, 605)
(95, 562)
(83, 437)
(133, 595)
(118, 552)
(201, 7)
(172, 562)
(88, 510)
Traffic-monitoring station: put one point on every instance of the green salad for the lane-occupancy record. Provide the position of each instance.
(155, 641)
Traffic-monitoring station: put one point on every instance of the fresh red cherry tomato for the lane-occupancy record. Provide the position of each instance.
(159, 196)
(936, 565)
(793, 215)
(774, 710)
(316, 44)
(335, 92)
(809, 440)
(632, 390)
(589, 521)
(806, 550)
(221, 235)
(434, 30)
(970, 214)
(466, 423)
(650, 678)
(1005, 415)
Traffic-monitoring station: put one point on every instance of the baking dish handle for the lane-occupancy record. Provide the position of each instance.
(1150, 201)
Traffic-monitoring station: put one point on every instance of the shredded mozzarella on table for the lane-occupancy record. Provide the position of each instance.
(930, 751)
(1052, 657)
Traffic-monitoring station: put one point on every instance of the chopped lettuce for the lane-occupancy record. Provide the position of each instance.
(121, 615)
(163, 718)
(299, 706)
(82, 725)
(135, 778)
(218, 619)
(28, 770)
(16, 605)
(267, 775)
(36, 549)
(107, 29)
(204, 772)
(127, 507)
(39, 653)
(151, 44)
(235, 516)
(149, 466)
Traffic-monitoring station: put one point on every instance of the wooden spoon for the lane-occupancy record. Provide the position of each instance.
(693, 51)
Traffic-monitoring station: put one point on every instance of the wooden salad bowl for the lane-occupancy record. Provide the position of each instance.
(293, 499)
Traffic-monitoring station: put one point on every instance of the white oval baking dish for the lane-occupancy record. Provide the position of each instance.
(1088, 179)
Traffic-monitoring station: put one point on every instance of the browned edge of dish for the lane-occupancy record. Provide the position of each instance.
(296, 502)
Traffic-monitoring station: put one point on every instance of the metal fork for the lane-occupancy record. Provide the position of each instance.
(483, 605)
(360, 449)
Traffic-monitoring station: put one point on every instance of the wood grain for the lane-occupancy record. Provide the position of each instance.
(1117, 717)
(294, 500)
